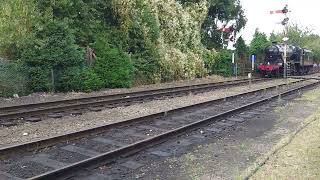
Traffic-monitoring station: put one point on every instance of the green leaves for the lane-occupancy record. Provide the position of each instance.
(223, 65)
(79, 79)
(258, 43)
(18, 19)
(113, 66)
(143, 41)
(50, 48)
(241, 47)
(53, 46)
(221, 11)
(302, 37)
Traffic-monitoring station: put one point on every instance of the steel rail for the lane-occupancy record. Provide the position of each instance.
(11, 112)
(143, 144)
(46, 142)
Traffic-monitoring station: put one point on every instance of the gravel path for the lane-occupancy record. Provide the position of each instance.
(52, 127)
(44, 97)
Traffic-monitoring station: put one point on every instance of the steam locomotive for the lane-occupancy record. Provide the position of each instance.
(299, 61)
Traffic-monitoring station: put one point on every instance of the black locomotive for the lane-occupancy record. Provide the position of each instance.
(299, 61)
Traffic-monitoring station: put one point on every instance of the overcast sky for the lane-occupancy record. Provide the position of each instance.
(304, 12)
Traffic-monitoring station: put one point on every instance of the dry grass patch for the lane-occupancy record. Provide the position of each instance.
(296, 156)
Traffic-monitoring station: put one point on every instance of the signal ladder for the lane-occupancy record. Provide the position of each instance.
(289, 69)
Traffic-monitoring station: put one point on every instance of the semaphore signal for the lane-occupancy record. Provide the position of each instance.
(282, 11)
(284, 22)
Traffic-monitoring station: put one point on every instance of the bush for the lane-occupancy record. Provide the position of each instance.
(209, 59)
(51, 48)
(79, 79)
(12, 79)
(223, 65)
(39, 79)
(112, 65)
(143, 39)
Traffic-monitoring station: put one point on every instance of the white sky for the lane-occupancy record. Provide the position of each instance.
(306, 13)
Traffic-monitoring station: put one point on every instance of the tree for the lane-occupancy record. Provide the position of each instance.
(52, 48)
(297, 35)
(242, 48)
(18, 18)
(258, 43)
(302, 37)
(221, 11)
(274, 37)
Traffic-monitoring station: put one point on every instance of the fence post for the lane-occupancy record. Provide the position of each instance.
(52, 81)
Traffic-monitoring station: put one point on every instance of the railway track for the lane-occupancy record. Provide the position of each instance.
(13, 115)
(60, 157)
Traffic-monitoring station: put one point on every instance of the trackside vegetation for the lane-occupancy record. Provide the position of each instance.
(82, 45)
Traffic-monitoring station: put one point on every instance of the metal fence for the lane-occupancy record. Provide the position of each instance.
(12, 79)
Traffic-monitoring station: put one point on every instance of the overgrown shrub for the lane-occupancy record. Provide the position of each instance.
(162, 38)
(39, 79)
(112, 65)
(79, 79)
(143, 39)
(223, 66)
(12, 79)
(52, 48)
(209, 59)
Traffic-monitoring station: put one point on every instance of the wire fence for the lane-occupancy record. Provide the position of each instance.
(13, 79)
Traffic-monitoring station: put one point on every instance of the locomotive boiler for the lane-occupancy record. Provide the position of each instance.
(299, 61)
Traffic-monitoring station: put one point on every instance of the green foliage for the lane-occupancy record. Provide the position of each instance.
(241, 47)
(209, 58)
(12, 79)
(223, 65)
(143, 41)
(189, 1)
(258, 43)
(53, 46)
(85, 18)
(221, 11)
(79, 79)
(39, 79)
(18, 19)
(143, 36)
(302, 37)
(274, 38)
(113, 66)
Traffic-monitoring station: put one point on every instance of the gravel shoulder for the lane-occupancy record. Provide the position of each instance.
(53, 127)
(45, 97)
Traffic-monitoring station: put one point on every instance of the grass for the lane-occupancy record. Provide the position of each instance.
(300, 159)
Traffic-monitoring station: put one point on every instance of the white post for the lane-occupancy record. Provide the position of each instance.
(236, 70)
(249, 76)
(252, 62)
(285, 61)
(233, 58)
(222, 40)
(285, 65)
(233, 64)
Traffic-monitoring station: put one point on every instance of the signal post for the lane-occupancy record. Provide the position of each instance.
(284, 22)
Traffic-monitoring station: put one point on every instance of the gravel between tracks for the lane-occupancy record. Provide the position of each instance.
(52, 127)
(45, 97)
